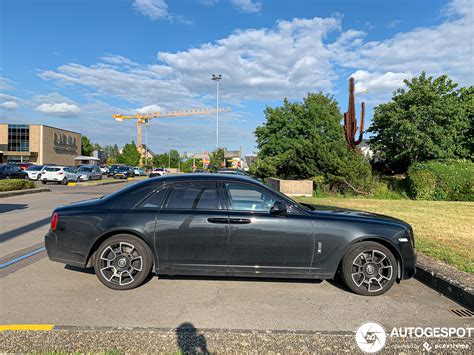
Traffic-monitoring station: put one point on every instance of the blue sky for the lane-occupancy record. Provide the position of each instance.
(74, 63)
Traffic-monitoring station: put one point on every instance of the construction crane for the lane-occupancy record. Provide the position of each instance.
(144, 118)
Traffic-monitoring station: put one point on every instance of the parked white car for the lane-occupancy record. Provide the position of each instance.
(138, 171)
(34, 171)
(59, 174)
(104, 169)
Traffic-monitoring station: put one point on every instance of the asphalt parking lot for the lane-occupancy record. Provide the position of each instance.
(37, 291)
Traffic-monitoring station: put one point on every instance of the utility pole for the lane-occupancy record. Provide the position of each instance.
(217, 78)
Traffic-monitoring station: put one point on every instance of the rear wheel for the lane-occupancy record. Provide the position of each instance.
(123, 262)
(369, 269)
(43, 182)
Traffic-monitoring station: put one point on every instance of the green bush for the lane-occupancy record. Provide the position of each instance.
(15, 184)
(442, 180)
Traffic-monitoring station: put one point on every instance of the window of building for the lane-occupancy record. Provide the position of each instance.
(18, 137)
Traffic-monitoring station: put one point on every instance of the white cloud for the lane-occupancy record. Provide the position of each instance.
(9, 105)
(149, 109)
(247, 6)
(5, 84)
(377, 82)
(117, 60)
(59, 109)
(154, 9)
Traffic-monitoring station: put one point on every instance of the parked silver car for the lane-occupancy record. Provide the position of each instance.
(89, 172)
(34, 171)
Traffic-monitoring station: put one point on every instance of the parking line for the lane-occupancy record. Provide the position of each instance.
(21, 257)
(13, 327)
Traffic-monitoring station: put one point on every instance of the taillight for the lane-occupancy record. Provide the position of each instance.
(54, 222)
(60, 173)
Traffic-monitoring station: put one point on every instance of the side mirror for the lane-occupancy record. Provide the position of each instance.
(278, 208)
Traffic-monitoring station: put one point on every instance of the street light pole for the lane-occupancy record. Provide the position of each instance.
(217, 78)
(146, 143)
(169, 153)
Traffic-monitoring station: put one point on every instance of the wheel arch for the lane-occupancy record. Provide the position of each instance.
(382, 241)
(109, 234)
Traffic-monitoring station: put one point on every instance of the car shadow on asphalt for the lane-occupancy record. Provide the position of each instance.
(8, 207)
(24, 229)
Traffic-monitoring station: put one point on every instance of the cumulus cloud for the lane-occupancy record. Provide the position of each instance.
(376, 82)
(9, 105)
(247, 6)
(59, 109)
(149, 109)
(154, 9)
(288, 60)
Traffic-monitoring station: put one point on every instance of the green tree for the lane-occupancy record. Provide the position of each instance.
(86, 146)
(130, 155)
(430, 119)
(305, 140)
(216, 158)
(111, 153)
(164, 159)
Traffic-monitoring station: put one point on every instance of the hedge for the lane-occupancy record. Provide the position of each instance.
(442, 180)
(15, 184)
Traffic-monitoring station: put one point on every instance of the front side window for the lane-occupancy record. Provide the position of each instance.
(245, 197)
(195, 195)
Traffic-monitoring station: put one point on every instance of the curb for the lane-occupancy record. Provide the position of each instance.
(452, 283)
(24, 192)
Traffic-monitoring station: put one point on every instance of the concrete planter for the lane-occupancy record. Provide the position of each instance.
(292, 187)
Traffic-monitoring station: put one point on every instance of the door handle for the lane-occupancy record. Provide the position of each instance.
(239, 221)
(218, 220)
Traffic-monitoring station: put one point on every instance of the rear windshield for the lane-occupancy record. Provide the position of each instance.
(35, 168)
(52, 169)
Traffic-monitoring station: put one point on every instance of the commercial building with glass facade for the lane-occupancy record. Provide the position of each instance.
(38, 144)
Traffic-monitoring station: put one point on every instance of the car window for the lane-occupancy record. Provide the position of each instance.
(52, 169)
(155, 200)
(195, 195)
(245, 197)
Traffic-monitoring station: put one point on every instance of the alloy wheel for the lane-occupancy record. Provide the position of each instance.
(120, 263)
(372, 270)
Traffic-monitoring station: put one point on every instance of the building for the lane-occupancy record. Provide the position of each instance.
(38, 144)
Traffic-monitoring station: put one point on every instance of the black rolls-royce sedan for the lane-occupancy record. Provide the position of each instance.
(229, 225)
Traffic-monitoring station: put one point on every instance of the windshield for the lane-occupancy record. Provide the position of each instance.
(84, 169)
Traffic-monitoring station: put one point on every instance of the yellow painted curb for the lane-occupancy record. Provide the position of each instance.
(26, 327)
(129, 179)
(71, 184)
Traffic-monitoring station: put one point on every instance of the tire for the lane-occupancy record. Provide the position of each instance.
(64, 182)
(369, 269)
(38, 177)
(130, 250)
(43, 182)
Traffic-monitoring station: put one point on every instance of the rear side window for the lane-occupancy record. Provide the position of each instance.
(195, 195)
(130, 196)
(155, 200)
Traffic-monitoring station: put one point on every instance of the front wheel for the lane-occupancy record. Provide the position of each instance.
(123, 262)
(64, 182)
(369, 269)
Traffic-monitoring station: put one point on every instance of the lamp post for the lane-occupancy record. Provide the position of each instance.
(169, 153)
(147, 124)
(217, 78)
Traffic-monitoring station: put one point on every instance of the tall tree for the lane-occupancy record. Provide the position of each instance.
(171, 158)
(430, 119)
(86, 146)
(304, 140)
(130, 155)
(216, 158)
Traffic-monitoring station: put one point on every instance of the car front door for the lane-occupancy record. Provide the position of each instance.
(262, 242)
(192, 230)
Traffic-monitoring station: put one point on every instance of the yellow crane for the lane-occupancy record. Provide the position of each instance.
(144, 118)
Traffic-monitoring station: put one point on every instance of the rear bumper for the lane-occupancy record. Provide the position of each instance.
(58, 254)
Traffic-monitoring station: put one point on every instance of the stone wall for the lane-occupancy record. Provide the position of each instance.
(292, 187)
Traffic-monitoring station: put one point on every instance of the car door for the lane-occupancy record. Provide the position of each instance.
(261, 242)
(15, 172)
(191, 230)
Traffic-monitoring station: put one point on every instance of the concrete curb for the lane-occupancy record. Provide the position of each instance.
(23, 192)
(452, 283)
(106, 183)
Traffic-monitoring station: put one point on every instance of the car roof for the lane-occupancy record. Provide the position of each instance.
(210, 176)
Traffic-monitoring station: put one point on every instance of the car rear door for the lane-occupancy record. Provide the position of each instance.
(264, 243)
(192, 231)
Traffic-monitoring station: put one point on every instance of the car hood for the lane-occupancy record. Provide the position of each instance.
(339, 212)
